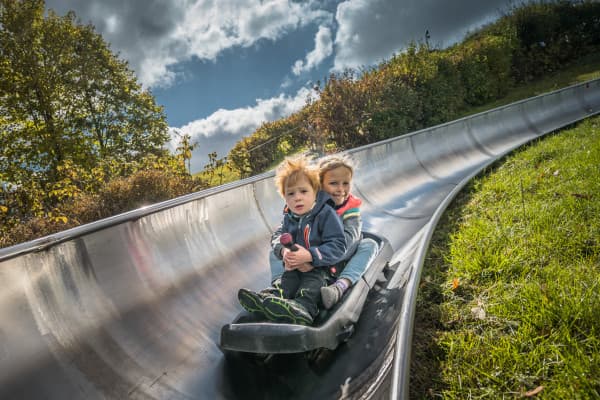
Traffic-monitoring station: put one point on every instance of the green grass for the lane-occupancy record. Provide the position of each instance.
(510, 293)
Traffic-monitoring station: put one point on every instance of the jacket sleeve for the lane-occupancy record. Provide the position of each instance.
(275, 244)
(352, 231)
(333, 242)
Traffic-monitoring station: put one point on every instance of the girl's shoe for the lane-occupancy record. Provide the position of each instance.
(330, 295)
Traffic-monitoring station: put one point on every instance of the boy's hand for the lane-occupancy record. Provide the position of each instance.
(293, 259)
(302, 267)
(306, 267)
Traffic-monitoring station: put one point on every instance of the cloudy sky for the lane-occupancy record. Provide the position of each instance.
(222, 67)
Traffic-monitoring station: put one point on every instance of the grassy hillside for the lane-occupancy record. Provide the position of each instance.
(509, 300)
(584, 69)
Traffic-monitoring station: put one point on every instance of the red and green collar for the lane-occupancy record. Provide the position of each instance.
(349, 208)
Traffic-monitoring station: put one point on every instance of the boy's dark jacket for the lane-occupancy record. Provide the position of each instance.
(320, 231)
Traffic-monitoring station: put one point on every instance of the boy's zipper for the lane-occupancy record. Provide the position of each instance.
(299, 230)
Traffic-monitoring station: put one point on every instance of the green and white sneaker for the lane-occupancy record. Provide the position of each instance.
(273, 290)
(251, 301)
(285, 310)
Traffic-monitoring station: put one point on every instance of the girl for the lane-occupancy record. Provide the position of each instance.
(335, 174)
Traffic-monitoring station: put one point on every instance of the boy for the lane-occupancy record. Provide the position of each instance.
(335, 176)
(319, 237)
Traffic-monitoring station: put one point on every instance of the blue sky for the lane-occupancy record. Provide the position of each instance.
(220, 68)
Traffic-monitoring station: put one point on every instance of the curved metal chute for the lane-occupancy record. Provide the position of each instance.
(132, 306)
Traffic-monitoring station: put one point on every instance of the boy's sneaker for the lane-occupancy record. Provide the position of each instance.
(285, 310)
(251, 301)
(274, 290)
(276, 284)
(330, 295)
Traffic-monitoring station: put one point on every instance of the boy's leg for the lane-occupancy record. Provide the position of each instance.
(253, 301)
(303, 307)
(290, 282)
(355, 268)
(309, 291)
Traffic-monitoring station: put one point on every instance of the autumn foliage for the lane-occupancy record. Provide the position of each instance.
(80, 139)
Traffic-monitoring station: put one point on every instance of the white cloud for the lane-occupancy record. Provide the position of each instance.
(155, 35)
(225, 127)
(370, 31)
(246, 120)
(323, 49)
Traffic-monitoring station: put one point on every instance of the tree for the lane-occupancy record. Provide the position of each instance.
(185, 148)
(64, 97)
(72, 115)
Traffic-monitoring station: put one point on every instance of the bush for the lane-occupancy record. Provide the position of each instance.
(485, 68)
(268, 144)
(143, 187)
(552, 34)
(443, 94)
(338, 114)
(394, 109)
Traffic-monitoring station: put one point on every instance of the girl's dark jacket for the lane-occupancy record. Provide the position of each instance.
(320, 231)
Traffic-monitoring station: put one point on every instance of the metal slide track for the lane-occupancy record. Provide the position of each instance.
(132, 306)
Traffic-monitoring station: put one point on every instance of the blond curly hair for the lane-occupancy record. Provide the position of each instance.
(292, 169)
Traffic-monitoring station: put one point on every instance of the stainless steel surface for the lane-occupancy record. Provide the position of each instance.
(132, 306)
